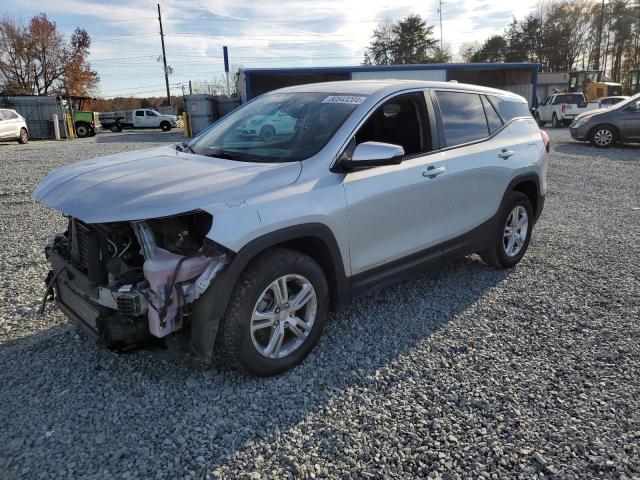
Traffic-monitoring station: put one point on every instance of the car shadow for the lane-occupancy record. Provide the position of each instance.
(212, 410)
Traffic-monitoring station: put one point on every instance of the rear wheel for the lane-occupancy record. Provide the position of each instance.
(165, 126)
(83, 130)
(115, 128)
(603, 136)
(511, 240)
(276, 313)
(24, 136)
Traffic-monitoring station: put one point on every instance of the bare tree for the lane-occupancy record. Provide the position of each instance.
(35, 59)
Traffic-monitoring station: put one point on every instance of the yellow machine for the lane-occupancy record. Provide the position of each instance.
(593, 90)
(588, 82)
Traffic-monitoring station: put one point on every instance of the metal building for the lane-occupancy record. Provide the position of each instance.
(520, 78)
(204, 109)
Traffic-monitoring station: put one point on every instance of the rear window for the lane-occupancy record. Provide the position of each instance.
(572, 98)
(463, 117)
(508, 109)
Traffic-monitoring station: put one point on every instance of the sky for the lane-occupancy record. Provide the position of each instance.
(126, 46)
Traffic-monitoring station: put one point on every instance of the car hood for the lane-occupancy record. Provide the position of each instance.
(156, 183)
(589, 113)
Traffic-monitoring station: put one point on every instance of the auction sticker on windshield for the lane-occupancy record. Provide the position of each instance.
(350, 99)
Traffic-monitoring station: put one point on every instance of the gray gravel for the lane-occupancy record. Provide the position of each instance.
(464, 372)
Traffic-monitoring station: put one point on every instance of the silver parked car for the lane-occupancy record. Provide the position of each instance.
(247, 243)
(607, 126)
(13, 126)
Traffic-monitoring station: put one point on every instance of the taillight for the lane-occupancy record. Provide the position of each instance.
(546, 140)
(563, 107)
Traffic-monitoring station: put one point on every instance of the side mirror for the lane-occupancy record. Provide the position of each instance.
(373, 154)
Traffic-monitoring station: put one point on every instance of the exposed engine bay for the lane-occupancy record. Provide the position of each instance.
(124, 282)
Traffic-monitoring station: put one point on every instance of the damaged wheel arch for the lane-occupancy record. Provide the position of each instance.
(314, 239)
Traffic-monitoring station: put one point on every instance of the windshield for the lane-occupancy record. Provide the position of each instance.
(278, 127)
(634, 100)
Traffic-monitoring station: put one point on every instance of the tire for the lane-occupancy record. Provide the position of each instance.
(497, 254)
(83, 130)
(267, 133)
(115, 128)
(247, 350)
(24, 136)
(165, 126)
(538, 121)
(555, 123)
(603, 136)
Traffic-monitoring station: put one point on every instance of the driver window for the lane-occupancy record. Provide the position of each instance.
(399, 121)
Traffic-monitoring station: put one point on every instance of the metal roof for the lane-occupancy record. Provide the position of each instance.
(383, 68)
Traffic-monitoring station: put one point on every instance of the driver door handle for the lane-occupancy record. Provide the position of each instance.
(504, 153)
(433, 172)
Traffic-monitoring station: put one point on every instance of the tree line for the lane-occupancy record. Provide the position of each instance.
(561, 36)
(565, 35)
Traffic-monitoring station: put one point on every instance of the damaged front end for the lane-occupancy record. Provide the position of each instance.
(125, 282)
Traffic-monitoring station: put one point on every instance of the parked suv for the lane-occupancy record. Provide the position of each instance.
(13, 126)
(607, 126)
(247, 243)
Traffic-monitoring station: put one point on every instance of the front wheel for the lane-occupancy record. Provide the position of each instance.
(165, 126)
(82, 130)
(603, 136)
(276, 314)
(24, 136)
(538, 121)
(555, 123)
(511, 240)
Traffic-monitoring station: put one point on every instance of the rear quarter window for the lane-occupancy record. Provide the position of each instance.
(463, 117)
(509, 109)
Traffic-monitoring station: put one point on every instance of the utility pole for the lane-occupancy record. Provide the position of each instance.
(596, 63)
(440, 13)
(164, 57)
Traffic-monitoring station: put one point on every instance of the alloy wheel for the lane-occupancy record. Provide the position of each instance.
(515, 231)
(603, 137)
(283, 316)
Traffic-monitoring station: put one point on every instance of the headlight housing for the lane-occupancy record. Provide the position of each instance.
(582, 120)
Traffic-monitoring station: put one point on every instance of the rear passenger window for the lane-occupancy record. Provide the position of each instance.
(462, 117)
(140, 113)
(509, 109)
(493, 120)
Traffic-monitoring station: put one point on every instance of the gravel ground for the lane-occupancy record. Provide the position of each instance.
(464, 372)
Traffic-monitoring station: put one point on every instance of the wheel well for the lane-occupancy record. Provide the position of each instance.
(315, 248)
(165, 122)
(612, 127)
(530, 189)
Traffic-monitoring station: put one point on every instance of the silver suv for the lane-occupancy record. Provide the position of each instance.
(246, 242)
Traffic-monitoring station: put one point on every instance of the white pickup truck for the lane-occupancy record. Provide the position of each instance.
(138, 118)
(560, 109)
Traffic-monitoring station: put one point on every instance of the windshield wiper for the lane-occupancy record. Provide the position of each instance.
(230, 154)
(183, 147)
